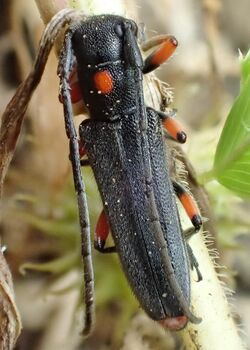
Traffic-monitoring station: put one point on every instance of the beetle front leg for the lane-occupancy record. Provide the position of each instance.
(101, 234)
(64, 70)
(189, 205)
(168, 44)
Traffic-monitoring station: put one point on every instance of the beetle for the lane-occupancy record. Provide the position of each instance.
(101, 65)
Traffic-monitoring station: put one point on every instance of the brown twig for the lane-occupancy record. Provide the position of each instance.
(13, 116)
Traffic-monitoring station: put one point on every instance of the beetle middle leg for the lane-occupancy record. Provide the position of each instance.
(172, 126)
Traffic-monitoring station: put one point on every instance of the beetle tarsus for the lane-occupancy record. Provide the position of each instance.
(194, 263)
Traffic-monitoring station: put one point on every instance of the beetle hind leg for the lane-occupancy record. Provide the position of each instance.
(189, 205)
(101, 234)
(194, 263)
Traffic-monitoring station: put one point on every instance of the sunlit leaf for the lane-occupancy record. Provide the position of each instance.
(232, 159)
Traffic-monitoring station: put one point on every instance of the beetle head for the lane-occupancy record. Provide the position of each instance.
(105, 38)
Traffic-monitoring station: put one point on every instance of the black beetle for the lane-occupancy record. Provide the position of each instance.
(124, 144)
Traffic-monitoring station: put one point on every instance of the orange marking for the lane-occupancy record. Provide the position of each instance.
(103, 82)
(164, 51)
(189, 204)
(172, 126)
(102, 227)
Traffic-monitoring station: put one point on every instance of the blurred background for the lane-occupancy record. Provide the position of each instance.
(39, 217)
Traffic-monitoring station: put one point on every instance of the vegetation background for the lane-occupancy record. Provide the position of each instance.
(39, 219)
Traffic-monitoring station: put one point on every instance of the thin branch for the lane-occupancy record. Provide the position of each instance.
(13, 116)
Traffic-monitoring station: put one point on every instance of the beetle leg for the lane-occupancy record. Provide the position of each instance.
(101, 234)
(172, 126)
(189, 205)
(82, 151)
(75, 92)
(64, 70)
(84, 162)
(188, 233)
(168, 44)
(194, 263)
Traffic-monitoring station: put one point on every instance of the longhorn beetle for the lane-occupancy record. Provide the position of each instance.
(101, 65)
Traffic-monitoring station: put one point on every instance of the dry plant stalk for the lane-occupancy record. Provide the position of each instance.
(11, 123)
(217, 330)
(10, 323)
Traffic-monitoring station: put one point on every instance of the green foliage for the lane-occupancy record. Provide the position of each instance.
(232, 159)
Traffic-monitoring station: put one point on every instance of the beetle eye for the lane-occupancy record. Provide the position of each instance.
(118, 30)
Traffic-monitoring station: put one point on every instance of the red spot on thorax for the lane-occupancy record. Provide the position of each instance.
(103, 82)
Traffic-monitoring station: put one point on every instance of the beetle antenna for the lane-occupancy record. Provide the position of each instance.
(64, 69)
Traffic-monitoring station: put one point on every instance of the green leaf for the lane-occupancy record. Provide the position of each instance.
(245, 67)
(232, 158)
(56, 266)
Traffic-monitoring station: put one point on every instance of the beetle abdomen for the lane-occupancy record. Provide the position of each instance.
(117, 154)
